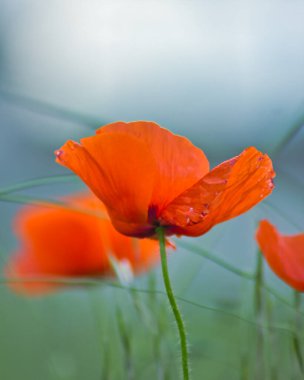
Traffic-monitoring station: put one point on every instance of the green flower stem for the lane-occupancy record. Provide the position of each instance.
(173, 304)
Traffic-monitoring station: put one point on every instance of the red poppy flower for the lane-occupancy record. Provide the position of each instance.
(284, 254)
(148, 177)
(72, 242)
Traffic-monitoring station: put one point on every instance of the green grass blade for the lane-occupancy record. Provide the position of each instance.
(43, 181)
(92, 282)
(204, 253)
(52, 110)
(291, 133)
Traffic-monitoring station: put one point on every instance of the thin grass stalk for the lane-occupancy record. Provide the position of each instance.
(89, 282)
(126, 345)
(258, 309)
(297, 327)
(271, 368)
(36, 182)
(244, 337)
(159, 331)
(201, 252)
(45, 108)
(104, 344)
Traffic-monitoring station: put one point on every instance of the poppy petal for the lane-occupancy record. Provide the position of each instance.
(284, 254)
(57, 237)
(225, 192)
(179, 163)
(118, 168)
(57, 242)
(73, 241)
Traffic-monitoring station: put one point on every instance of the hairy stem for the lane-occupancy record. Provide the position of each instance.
(173, 304)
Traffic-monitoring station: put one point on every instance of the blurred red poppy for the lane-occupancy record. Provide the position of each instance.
(75, 241)
(148, 177)
(284, 254)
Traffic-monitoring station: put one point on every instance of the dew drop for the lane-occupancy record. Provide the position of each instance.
(216, 181)
(58, 153)
(232, 161)
(71, 145)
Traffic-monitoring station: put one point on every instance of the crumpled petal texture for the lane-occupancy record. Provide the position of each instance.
(149, 177)
(284, 254)
(73, 241)
(227, 191)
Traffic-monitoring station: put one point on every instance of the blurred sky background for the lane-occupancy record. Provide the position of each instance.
(226, 74)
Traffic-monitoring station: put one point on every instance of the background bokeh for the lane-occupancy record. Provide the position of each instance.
(225, 74)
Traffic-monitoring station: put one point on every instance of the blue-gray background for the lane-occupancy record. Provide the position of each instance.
(226, 74)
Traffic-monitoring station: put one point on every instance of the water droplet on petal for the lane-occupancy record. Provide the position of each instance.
(215, 181)
(59, 153)
(71, 145)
